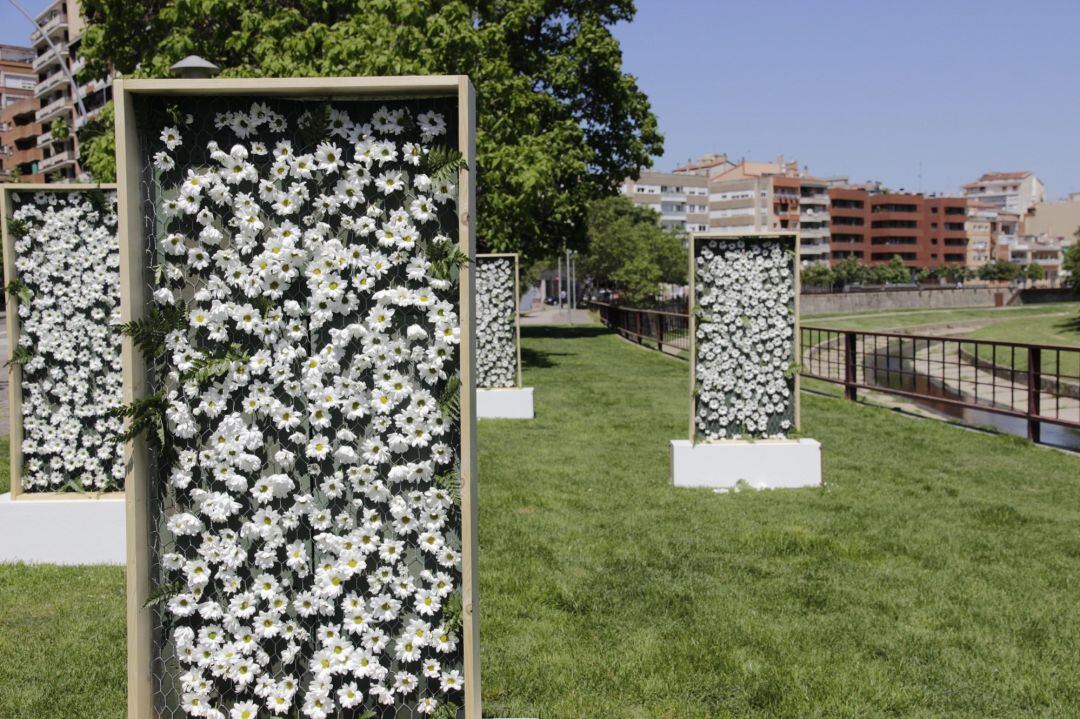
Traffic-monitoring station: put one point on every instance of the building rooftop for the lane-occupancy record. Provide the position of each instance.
(703, 163)
(999, 176)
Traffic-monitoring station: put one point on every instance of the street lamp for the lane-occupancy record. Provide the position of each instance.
(194, 67)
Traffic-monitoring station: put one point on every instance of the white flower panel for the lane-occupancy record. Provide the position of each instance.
(67, 259)
(496, 323)
(309, 517)
(745, 339)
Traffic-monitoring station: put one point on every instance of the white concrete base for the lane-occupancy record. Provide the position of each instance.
(764, 464)
(62, 531)
(514, 403)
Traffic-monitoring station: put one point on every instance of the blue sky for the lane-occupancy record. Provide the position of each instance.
(872, 90)
(867, 89)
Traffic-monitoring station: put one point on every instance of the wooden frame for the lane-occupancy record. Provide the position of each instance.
(133, 304)
(517, 306)
(15, 418)
(750, 236)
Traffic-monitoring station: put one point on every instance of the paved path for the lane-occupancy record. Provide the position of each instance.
(548, 315)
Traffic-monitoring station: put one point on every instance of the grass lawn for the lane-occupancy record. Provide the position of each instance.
(1049, 330)
(901, 319)
(935, 575)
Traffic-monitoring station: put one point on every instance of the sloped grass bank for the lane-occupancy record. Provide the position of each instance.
(934, 575)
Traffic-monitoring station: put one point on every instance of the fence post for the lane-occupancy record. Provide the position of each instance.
(637, 315)
(660, 332)
(851, 376)
(1034, 389)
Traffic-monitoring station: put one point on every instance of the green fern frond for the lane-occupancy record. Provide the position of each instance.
(446, 259)
(149, 333)
(21, 291)
(208, 368)
(450, 399)
(19, 356)
(442, 164)
(317, 126)
(163, 593)
(450, 482)
(453, 614)
(17, 228)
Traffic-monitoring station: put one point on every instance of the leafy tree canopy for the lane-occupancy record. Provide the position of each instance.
(558, 122)
(630, 252)
(1071, 263)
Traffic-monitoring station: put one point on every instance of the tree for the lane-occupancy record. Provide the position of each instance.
(1000, 270)
(558, 122)
(1070, 262)
(630, 252)
(1034, 272)
(817, 274)
(894, 272)
(849, 272)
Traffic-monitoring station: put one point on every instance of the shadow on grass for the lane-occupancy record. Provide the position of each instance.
(567, 332)
(543, 360)
(1071, 324)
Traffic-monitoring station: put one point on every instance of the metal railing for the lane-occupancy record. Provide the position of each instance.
(978, 381)
(1035, 383)
(669, 331)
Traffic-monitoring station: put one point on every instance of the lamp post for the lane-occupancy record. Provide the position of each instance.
(194, 67)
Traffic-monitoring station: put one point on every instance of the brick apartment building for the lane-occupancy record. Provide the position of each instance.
(19, 153)
(763, 196)
(922, 231)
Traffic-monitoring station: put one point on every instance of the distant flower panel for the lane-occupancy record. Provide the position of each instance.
(496, 323)
(745, 338)
(68, 292)
(312, 519)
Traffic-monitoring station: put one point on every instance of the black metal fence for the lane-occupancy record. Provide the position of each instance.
(1036, 383)
(978, 381)
(667, 331)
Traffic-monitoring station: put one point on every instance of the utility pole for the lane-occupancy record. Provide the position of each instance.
(67, 72)
(558, 279)
(569, 289)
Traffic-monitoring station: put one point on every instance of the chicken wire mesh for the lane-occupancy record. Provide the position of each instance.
(346, 499)
(496, 322)
(66, 293)
(745, 368)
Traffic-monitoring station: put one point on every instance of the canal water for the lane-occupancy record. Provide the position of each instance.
(892, 371)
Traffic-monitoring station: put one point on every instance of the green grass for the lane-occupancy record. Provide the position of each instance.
(901, 319)
(1047, 330)
(934, 575)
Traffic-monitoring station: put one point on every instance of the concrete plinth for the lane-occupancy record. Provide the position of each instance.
(62, 531)
(764, 464)
(514, 403)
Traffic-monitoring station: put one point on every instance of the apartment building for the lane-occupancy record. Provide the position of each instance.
(708, 165)
(19, 154)
(1047, 252)
(763, 196)
(1011, 191)
(63, 110)
(680, 200)
(1057, 220)
(875, 227)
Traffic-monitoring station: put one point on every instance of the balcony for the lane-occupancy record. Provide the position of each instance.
(54, 109)
(52, 81)
(60, 159)
(57, 22)
(88, 117)
(48, 58)
(44, 139)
